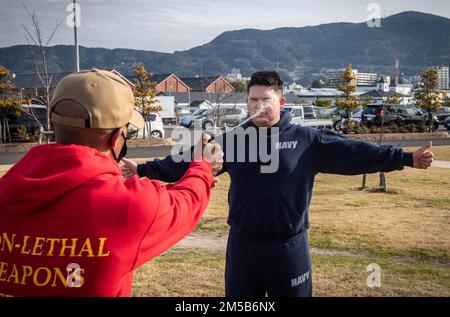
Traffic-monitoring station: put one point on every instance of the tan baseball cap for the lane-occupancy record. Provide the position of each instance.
(106, 97)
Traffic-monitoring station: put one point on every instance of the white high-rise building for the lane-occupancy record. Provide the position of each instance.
(235, 74)
(362, 79)
(443, 76)
(335, 77)
(366, 79)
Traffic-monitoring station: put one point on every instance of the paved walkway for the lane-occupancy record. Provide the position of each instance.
(213, 243)
(442, 164)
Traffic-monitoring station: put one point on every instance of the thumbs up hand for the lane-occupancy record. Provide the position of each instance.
(423, 157)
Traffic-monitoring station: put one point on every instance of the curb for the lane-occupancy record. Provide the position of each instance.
(399, 136)
(21, 147)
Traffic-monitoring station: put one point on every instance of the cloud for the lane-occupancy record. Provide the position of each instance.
(166, 26)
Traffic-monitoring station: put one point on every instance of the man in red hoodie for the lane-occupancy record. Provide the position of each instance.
(70, 224)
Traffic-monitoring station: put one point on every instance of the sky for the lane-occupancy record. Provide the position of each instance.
(170, 25)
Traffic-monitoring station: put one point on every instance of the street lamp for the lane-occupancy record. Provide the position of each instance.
(77, 53)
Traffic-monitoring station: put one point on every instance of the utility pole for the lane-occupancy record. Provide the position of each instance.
(75, 21)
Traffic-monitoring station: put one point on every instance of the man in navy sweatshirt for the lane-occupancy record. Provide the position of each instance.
(272, 164)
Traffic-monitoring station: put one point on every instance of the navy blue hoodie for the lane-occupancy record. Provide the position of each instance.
(275, 205)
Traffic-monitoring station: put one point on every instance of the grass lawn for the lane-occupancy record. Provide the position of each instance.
(405, 231)
(194, 273)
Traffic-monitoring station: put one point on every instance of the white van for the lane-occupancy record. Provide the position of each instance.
(298, 117)
(153, 127)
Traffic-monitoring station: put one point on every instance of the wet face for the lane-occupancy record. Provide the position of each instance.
(264, 103)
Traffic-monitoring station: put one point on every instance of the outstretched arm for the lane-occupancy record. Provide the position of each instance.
(338, 155)
(172, 211)
(180, 207)
(169, 169)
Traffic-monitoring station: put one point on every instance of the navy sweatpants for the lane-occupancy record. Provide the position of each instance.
(280, 269)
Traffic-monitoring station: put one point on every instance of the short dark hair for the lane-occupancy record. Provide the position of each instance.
(266, 78)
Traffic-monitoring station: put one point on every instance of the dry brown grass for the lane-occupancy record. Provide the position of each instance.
(347, 276)
(192, 273)
(181, 273)
(4, 169)
(405, 231)
(413, 219)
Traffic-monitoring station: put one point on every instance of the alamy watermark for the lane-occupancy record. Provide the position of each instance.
(249, 145)
(374, 278)
(74, 275)
(374, 18)
(74, 17)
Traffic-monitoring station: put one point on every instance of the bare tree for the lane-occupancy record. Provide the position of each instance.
(38, 46)
(221, 95)
(382, 175)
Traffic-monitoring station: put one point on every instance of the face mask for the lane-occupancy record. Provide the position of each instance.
(123, 150)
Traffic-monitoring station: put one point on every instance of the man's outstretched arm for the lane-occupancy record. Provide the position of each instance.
(166, 170)
(178, 207)
(338, 155)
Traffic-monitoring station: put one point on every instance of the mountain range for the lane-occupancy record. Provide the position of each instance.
(417, 39)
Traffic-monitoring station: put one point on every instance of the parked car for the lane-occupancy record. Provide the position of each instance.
(394, 115)
(297, 112)
(340, 122)
(442, 114)
(324, 113)
(226, 116)
(187, 120)
(356, 116)
(447, 123)
(309, 112)
(223, 116)
(233, 115)
(154, 127)
(298, 117)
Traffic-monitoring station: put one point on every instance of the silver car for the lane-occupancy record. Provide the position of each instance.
(222, 116)
(447, 123)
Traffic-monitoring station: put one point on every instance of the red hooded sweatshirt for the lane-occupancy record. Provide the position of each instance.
(71, 225)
